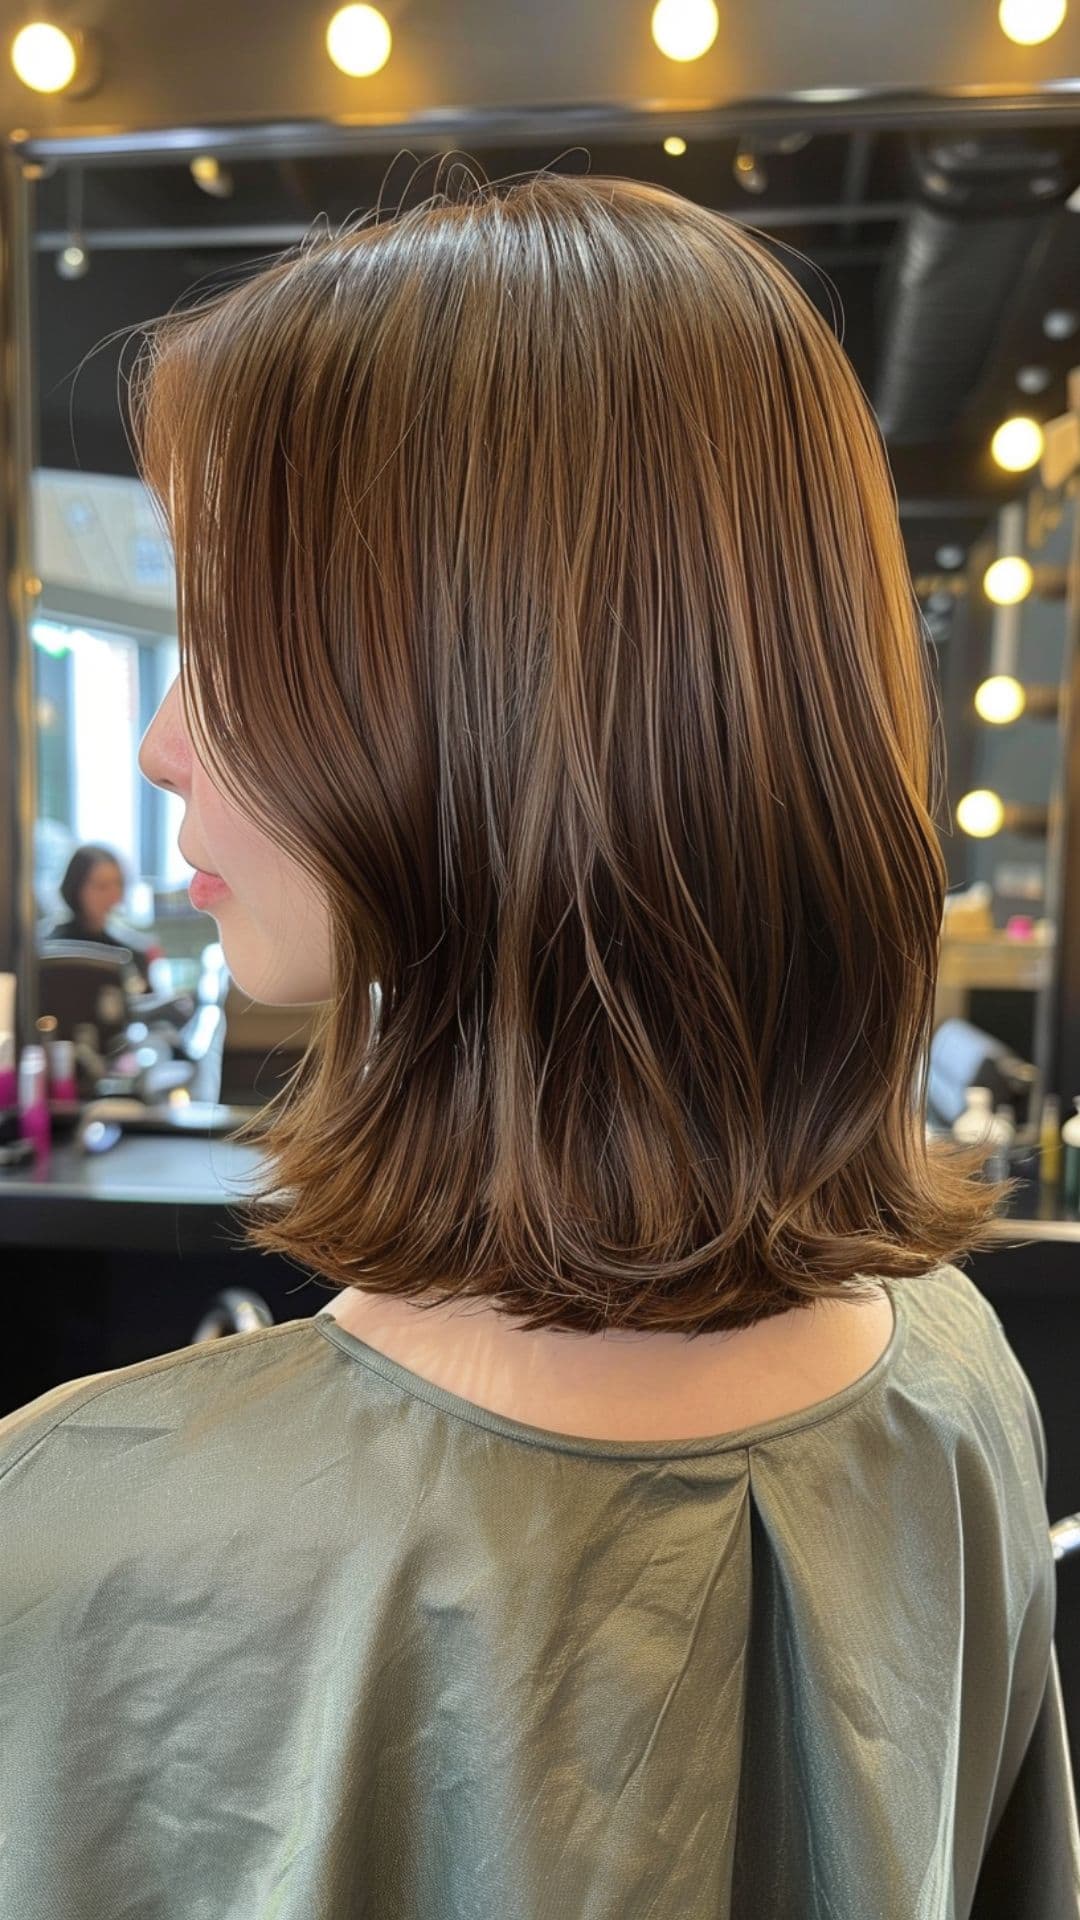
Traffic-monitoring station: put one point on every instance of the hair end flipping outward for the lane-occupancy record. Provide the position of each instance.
(541, 588)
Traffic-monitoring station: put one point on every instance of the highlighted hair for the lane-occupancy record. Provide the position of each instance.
(541, 590)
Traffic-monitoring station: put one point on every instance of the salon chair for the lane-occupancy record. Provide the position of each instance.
(145, 1045)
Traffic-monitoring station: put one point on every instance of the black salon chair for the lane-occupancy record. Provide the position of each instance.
(178, 1039)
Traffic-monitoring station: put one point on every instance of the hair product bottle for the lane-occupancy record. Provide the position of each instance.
(34, 1100)
(1070, 1134)
(1050, 1142)
(8, 1087)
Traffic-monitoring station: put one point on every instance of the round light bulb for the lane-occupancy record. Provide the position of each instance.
(72, 263)
(1008, 580)
(1000, 699)
(44, 58)
(685, 29)
(980, 813)
(358, 41)
(1029, 21)
(674, 144)
(1017, 444)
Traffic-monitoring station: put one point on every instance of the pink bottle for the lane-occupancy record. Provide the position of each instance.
(62, 1081)
(8, 1084)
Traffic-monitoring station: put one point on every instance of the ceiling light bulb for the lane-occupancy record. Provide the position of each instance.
(685, 29)
(1060, 323)
(1030, 21)
(674, 144)
(980, 813)
(44, 57)
(1017, 444)
(358, 41)
(1000, 699)
(1008, 580)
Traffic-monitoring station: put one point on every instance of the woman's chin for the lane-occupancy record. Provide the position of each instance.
(264, 979)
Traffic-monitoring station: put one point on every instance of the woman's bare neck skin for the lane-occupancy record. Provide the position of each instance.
(633, 1386)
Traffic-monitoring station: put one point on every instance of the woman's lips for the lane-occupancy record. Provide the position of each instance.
(206, 889)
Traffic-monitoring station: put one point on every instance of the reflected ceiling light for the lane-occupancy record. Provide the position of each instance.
(1033, 379)
(358, 41)
(209, 174)
(73, 263)
(1017, 444)
(749, 172)
(674, 144)
(1000, 699)
(1029, 21)
(980, 813)
(1060, 323)
(1008, 580)
(949, 557)
(685, 29)
(44, 57)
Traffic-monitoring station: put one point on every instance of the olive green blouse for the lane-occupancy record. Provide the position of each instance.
(289, 1633)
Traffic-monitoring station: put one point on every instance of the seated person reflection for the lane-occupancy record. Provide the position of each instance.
(92, 888)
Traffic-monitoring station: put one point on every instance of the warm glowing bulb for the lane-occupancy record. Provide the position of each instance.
(1029, 21)
(980, 813)
(1008, 580)
(1017, 444)
(1000, 699)
(358, 41)
(674, 144)
(44, 58)
(685, 29)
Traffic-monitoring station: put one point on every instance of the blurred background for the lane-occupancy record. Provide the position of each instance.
(916, 168)
(918, 172)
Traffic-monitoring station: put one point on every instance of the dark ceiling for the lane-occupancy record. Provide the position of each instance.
(937, 253)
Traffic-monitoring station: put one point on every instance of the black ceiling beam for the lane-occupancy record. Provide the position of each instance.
(820, 110)
(856, 170)
(287, 233)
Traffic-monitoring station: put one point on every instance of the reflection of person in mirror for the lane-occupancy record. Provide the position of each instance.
(92, 888)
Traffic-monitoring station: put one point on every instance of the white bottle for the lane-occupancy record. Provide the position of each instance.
(1070, 1135)
(979, 1125)
(976, 1124)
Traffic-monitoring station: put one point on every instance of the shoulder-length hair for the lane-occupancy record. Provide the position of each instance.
(541, 589)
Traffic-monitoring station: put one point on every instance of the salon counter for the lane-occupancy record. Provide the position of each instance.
(177, 1194)
(159, 1192)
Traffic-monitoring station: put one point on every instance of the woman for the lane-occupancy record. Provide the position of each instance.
(92, 888)
(654, 1521)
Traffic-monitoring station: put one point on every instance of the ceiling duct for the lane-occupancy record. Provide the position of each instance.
(982, 208)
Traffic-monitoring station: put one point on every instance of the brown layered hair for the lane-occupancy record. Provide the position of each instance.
(541, 590)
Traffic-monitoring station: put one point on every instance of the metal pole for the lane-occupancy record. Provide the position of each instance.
(1059, 1009)
(18, 783)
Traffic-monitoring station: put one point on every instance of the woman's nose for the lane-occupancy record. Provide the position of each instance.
(165, 751)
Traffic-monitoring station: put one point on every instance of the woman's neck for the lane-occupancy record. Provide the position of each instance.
(638, 1386)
